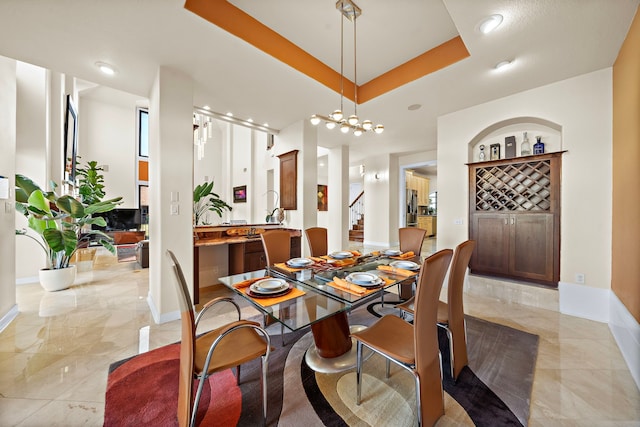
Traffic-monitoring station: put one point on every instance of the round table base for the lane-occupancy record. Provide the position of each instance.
(341, 363)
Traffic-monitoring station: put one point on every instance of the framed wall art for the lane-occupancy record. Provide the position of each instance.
(240, 194)
(323, 199)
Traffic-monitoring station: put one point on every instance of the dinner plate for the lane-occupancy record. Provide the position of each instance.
(364, 279)
(407, 265)
(341, 255)
(361, 278)
(268, 286)
(391, 252)
(283, 292)
(299, 262)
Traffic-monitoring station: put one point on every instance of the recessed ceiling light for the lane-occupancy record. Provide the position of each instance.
(265, 124)
(206, 107)
(230, 114)
(414, 107)
(106, 68)
(503, 64)
(490, 23)
(250, 120)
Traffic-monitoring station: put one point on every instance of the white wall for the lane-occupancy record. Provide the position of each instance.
(8, 307)
(107, 134)
(582, 106)
(381, 201)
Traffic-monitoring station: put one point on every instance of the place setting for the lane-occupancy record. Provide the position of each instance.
(268, 290)
(359, 283)
(401, 268)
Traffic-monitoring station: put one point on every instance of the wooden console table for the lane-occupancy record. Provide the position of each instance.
(126, 237)
(245, 251)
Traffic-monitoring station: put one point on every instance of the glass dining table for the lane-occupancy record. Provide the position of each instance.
(320, 301)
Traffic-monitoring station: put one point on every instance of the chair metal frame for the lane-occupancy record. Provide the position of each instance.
(187, 413)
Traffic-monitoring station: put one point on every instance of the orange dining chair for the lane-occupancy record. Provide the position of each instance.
(277, 246)
(411, 239)
(413, 347)
(451, 313)
(222, 348)
(317, 239)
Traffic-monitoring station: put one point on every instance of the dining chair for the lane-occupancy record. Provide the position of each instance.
(451, 313)
(317, 238)
(413, 347)
(222, 348)
(277, 246)
(411, 239)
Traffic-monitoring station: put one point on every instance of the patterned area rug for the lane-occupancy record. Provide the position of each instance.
(493, 391)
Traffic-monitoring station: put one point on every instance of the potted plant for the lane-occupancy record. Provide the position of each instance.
(205, 200)
(91, 190)
(272, 217)
(59, 221)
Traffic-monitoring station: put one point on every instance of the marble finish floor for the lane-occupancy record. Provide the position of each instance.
(55, 355)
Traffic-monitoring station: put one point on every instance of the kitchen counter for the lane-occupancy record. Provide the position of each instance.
(429, 223)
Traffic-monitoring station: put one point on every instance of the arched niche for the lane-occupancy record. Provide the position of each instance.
(550, 132)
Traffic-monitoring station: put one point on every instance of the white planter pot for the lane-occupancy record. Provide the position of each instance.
(57, 280)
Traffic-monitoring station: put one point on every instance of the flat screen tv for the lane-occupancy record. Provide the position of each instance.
(121, 219)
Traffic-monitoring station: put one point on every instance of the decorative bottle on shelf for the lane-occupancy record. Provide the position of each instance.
(481, 155)
(525, 147)
(538, 147)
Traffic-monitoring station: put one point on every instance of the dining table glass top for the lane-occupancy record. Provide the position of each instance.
(318, 297)
(306, 308)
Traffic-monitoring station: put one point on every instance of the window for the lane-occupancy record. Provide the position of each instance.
(143, 133)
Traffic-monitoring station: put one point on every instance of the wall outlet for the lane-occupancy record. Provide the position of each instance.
(580, 278)
(175, 209)
(458, 221)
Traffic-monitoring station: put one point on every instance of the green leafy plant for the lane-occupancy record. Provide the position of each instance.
(205, 200)
(91, 181)
(59, 220)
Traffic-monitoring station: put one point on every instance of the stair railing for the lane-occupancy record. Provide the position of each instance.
(356, 209)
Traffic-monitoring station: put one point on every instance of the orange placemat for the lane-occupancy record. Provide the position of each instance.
(355, 289)
(339, 262)
(266, 302)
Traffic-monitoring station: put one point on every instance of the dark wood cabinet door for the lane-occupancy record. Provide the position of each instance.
(289, 180)
(531, 246)
(491, 233)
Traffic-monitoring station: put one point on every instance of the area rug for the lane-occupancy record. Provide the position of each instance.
(126, 253)
(493, 391)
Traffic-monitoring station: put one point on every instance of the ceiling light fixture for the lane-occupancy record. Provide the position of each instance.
(202, 132)
(490, 23)
(503, 64)
(106, 68)
(349, 10)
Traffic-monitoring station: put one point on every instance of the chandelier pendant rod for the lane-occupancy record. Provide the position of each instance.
(355, 69)
(341, 63)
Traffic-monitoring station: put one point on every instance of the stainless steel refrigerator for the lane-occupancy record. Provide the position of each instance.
(412, 208)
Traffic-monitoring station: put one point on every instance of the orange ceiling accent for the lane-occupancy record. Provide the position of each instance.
(235, 21)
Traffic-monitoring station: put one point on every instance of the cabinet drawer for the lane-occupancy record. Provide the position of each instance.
(251, 247)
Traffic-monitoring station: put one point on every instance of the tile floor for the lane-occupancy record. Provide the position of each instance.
(55, 355)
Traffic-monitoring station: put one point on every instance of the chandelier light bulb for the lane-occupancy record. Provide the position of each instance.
(357, 132)
(344, 127)
(378, 129)
(330, 125)
(337, 115)
(353, 120)
(314, 120)
(367, 125)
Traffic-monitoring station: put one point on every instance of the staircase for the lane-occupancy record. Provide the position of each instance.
(356, 219)
(356, 233)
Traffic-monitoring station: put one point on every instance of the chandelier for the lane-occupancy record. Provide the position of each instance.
(350, 11)
(202, 131)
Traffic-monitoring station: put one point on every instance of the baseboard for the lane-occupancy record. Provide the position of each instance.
(626, 331)
(27, 280)
(161, 318)
(584, 301)
(8, 318)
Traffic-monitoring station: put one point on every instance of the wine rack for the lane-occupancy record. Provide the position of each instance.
(514, 187)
